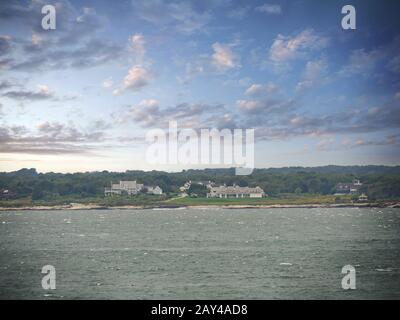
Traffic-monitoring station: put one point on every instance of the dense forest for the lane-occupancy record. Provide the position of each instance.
(379, 182)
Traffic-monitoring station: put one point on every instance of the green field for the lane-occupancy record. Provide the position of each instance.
(138, 200)
(151, 201)
(289, 200)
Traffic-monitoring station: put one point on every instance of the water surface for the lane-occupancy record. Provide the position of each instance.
(201, 254)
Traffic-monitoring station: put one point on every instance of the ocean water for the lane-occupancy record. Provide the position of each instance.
(201, 254)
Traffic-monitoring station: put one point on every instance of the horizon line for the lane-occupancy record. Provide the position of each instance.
(183, 170)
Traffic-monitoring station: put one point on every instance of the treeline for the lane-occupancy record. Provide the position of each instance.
(379, 182)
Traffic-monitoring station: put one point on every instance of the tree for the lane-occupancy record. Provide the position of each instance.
(197, 189)
(37, 194)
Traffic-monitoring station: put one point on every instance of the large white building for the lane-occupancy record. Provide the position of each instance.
(130, 188)
(235, 192)
(348, 188)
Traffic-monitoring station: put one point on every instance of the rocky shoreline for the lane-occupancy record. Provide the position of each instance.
(77, 206)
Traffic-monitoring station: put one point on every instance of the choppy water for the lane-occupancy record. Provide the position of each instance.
(201, 254)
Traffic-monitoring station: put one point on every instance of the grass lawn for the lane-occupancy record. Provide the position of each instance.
(153, 200)
(294, 200)
(139, 200)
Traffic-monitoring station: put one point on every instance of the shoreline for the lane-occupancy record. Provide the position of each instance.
(76, 206)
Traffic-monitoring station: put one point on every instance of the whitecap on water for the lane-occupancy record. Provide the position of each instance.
(384, 269)
(285, 264)
(168, 209)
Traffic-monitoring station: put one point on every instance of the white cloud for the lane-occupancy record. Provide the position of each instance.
(314, 74)
(149, 103)
(259, 89)
(289, 48)
(192, 69)
(250, 105)
(44, 90)
(148, 113)
(224, 58)
(137, 42)
(137, 78)
(269, 8)
(37, 40)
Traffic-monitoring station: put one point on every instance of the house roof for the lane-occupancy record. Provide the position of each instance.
(235, 190)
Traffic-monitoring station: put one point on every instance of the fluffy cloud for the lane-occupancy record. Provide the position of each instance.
(224, 58)
(250, 105)
(148, 113)
(289, 48)
(137, 78)
(314, 74)
(378, 119)
(87, 54)
(74, 45)
(261, 112)
(48, 138)
(137, 42)
(43, 93)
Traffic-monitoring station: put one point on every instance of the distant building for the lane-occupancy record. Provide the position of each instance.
(363, 197)
(123, 187)
(235, 192)
(154, 190)
(207, 183)
(6, 194)
(130, 188)
(348, 188)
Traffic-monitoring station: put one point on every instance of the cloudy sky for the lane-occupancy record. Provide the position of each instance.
(83, 96)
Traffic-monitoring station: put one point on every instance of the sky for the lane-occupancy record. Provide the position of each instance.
(83, 96)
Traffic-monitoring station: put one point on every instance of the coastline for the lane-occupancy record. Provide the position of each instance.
(77, 206)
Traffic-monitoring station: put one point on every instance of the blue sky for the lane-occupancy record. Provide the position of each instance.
(83, 96)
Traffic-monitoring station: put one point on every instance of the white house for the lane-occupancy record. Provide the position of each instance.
(235, 192)
(154, 190)
(130, 188)
(123, 187)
